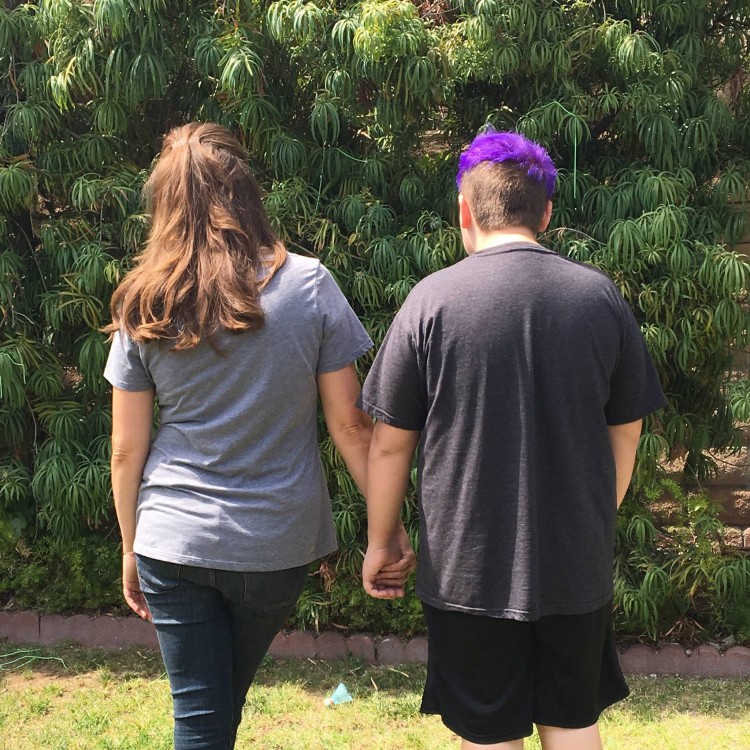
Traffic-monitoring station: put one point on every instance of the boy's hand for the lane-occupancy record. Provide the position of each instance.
(386, 569)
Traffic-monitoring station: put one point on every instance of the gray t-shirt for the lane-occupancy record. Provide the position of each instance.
(233, 479)
(512, 363)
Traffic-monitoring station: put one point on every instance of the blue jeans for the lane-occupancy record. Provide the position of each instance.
(214, 628)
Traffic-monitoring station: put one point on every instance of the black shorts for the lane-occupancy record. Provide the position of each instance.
(491, 679)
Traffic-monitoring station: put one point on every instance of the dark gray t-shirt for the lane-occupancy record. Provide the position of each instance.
(233, 479)
(512, 363)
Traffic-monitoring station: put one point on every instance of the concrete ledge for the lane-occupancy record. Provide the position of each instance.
(123, 632)
(19, 627)
(97, 632)
(673, 659)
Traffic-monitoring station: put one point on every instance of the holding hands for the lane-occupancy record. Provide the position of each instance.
(390, 558)
(386, 569)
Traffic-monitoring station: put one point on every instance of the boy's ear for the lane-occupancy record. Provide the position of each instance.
(465, 216)
(546, 218)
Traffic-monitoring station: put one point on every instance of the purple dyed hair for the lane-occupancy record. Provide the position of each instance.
(504, 146)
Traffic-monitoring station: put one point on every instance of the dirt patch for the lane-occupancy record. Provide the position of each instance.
(32, 680)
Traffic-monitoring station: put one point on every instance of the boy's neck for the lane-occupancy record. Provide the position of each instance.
(486, 240)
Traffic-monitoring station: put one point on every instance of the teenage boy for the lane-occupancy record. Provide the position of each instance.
(524, 377)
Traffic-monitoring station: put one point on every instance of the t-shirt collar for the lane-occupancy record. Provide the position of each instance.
(510, 247)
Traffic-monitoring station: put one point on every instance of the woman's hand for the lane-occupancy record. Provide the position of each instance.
(398, 573)
(131, 587)
(386, 570)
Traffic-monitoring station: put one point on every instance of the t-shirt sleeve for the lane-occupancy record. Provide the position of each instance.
(124, 368)
(344, 338)
(634, 389)
(395, 389)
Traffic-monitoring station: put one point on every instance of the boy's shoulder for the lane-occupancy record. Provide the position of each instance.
(438, 281)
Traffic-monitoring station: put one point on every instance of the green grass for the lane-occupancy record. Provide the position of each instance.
(74, 699)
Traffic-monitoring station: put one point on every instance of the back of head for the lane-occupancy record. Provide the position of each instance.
(210, 247)
(507, 181)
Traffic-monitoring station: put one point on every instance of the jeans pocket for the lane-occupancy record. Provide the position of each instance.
(275, 590)
(157, 576)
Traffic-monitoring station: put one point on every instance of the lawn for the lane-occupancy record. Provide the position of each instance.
(73, 699)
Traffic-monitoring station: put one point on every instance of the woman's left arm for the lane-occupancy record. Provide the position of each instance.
(132, 419)
(351, 431)
(349, 427)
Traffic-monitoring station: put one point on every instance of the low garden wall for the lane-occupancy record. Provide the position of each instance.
(707, 660)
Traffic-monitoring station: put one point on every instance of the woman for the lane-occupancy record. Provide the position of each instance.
(221, 514)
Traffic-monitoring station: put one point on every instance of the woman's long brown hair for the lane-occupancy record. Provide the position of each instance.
(210, 248)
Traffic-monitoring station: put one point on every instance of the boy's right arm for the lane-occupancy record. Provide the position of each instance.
(624, 440)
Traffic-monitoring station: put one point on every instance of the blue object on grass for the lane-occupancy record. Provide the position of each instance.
(339, 695)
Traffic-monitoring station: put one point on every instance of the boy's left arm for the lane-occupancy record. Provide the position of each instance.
(388, 469)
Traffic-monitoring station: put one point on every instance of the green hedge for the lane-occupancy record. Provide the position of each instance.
(354, 114)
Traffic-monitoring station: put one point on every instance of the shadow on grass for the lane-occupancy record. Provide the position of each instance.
(320, 675)
(651, 698)
(69, 660)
